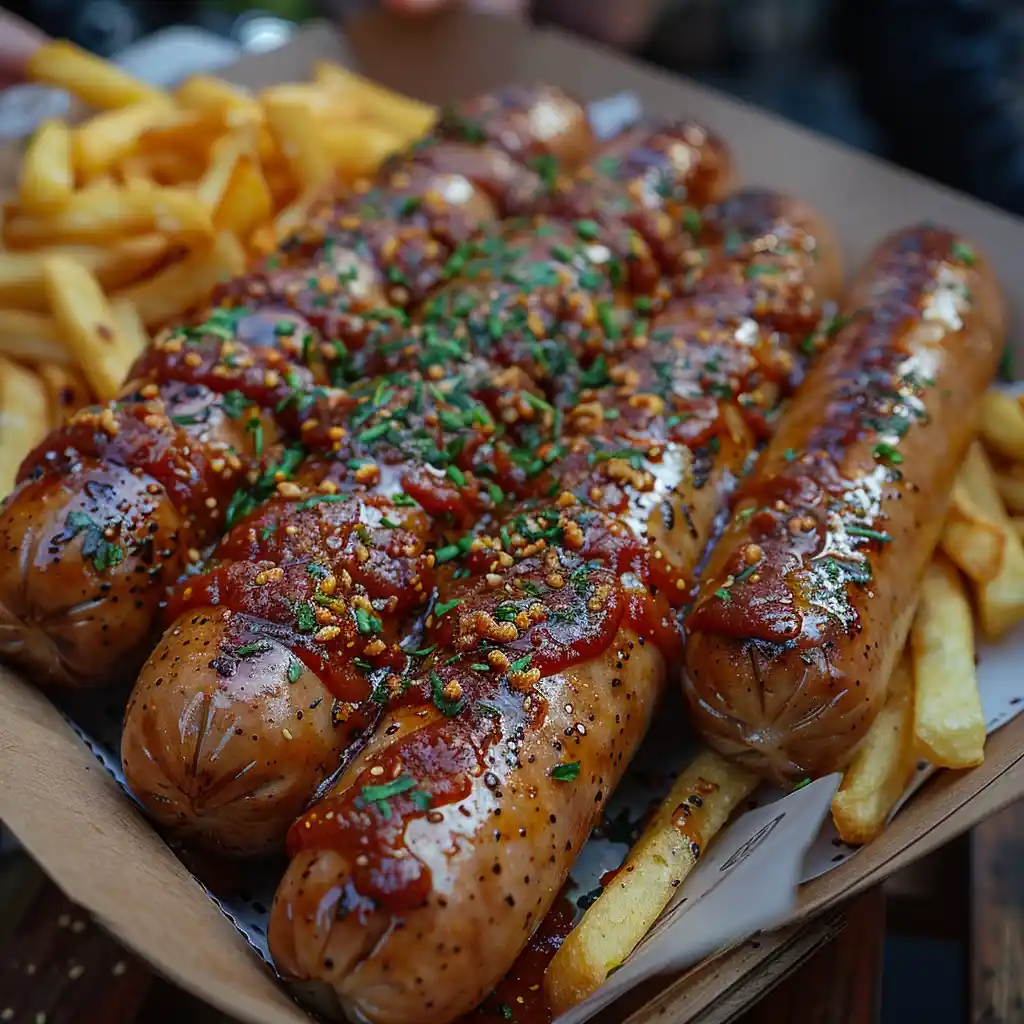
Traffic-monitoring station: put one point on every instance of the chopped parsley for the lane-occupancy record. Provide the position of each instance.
(378, 796)
(445, 705)
(103, 553)
(566, 772)
(305, 617)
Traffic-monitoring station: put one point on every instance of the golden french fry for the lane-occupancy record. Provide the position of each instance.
(106, 214)
(32, 337)
(949, 725)
(298, 135)
(87, 322)
(883, 765)
(130, 327)
(169, 167)
(92, 79)
(971, 539)
(99, 143)
(1000, 600)
(224, 155)
(1011, 487)
(247, 202)
(22, 283)
(47, 177)
(206, 93)
(185, 285)
(182, 131)
(357, 150)
(408, 117)
(695, 810)
(312, 97)
(1002, 424)
(66, 390)
(295, 214)
(24, 419)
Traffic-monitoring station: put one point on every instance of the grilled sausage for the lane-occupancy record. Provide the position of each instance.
(428, 863)
(807, 599)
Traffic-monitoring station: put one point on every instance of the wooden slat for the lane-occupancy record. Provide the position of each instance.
(997, 918)
(56, 965)
(839, 984)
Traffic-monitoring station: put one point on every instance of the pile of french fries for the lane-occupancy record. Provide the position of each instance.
(932, 713)
(126, 220)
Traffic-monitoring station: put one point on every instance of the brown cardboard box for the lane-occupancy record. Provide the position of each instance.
(76, 821)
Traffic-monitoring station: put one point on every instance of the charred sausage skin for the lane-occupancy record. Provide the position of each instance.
(807, 598)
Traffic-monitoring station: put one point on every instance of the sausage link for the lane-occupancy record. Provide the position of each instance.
(806, 601)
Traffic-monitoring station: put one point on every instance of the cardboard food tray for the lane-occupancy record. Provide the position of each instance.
(73, 817)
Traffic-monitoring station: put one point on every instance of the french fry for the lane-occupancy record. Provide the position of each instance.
(949, 725)
(973, 541)
(883, 765)
(130, 327)
(21, 273)
(293, 216)
(87, 323)
(1002, 424)
(695, 810)
(182, 131)
(24, 419)
(206, 93)
(1011, 488)
(298, 135)
(357, 150)
(106, 214)
(185, 285)
(224, 156)
(32, 337)
(408, 117)
(66, 390)
(99, 143)
(92, 79)
(47, 176)
(247, 202)
(1000, 600)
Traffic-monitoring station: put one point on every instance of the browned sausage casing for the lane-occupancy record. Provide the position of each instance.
(807, 599)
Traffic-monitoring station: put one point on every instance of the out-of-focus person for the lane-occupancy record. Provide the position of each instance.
(18, 41)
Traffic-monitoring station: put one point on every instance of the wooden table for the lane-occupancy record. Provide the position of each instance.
(56, 967)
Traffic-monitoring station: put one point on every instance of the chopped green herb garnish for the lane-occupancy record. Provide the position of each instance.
(887, 453)
(305, 617)
(379, 795)
(863, 531)
(252, 648)
(294, 671)
(723, 594)
(444, 607)
(566, 772)
(318, 499)
(445, 705)
(366, 623)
